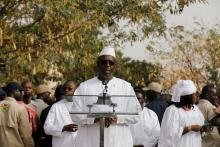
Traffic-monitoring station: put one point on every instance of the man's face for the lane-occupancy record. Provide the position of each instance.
(106, 66)
(46, 96)
(212, 95)
(140, 98)
(69, 88)
(28, 89)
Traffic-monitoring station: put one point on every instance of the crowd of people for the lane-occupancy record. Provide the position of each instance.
(32, 117)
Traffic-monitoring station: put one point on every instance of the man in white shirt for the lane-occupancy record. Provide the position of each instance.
(59, 123)
(147, 131)
(116, 132)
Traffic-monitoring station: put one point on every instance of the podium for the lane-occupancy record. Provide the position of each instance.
(104, 106)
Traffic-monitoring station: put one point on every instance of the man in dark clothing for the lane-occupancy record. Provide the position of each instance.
(156, 103)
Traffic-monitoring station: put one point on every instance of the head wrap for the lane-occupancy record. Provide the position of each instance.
(155, 87)
(182, 88)
(108, 51)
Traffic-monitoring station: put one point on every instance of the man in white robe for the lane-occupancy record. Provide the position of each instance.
(59, 123)
(147, 131)
(116, 132)
(182, 121)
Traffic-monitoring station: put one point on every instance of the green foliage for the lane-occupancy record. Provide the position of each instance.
(138, 73)
(59, 40)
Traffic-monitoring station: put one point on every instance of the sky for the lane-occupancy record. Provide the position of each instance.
(208, 14)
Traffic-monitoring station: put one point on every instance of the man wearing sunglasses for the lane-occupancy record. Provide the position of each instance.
(116, 131)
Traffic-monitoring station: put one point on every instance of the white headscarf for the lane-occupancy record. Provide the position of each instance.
(181, 88)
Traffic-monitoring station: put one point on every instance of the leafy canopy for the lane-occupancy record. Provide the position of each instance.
(54, 39)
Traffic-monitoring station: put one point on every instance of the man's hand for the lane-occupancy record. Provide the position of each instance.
(196, 128)
(70, 128)
(110, 120)
(96, 120)
(217, 110)
(206, 129)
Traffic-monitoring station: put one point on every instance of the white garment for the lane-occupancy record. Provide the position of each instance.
(116, 135)
(57, 118)
(173, 123)
(147, 131)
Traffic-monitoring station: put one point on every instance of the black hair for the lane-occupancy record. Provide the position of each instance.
(71, 81)
(59, 91)
(185, 100)
(206, 89)
(139, 90)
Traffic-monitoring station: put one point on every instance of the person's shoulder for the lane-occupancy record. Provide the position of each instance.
(195, 107)
(38, 102)
(172, 109)
(204, 103)
(158, 102)
(59, 103)
(89, 81)
(18, 107)
(11, 105)
(150, 112)
(118, 80)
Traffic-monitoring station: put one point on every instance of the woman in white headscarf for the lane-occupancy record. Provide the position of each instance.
(182, 122)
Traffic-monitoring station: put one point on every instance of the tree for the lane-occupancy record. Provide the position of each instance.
(195, 55)
(42, 40)
(139, 73)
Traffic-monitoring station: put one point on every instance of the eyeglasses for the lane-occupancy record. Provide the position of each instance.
(68, 88)
(105, 62)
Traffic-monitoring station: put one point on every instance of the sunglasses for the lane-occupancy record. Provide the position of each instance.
(105, 62)
(68, 88)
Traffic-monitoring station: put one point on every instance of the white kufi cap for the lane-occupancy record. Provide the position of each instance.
(182, 88)
(108, 51)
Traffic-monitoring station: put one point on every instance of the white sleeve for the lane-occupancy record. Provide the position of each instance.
(155, 131)
(51, 125)
(170, 130)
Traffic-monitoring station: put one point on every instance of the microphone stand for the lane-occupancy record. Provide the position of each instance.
(102, 118)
